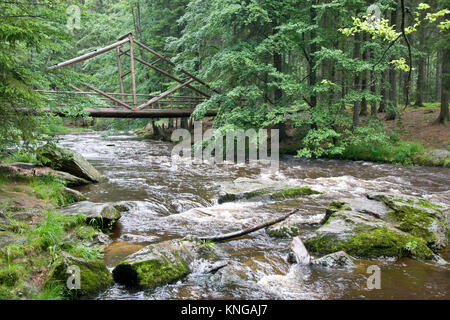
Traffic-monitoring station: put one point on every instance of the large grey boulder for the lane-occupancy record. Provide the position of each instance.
(69, 161)
(28, 170)
(103, 215)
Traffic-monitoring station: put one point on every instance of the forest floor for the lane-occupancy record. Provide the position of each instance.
(417, 125)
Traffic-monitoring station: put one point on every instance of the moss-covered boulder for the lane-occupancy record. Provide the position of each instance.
(73, 195)
(69, 161)
(372, 228)
(94, 275)
(282, 230)
(261, 189)
(418, 217)
(159, 264)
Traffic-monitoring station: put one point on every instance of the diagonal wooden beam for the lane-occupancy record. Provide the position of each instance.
(169, 75)
(123, 104)
(88, 55)
(173, 64)
(164, 94)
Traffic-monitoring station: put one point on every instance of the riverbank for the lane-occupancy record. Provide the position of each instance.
(36, 239)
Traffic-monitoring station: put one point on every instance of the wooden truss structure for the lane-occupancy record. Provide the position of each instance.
(122, 99)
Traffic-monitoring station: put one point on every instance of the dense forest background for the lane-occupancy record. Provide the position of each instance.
(322, 67)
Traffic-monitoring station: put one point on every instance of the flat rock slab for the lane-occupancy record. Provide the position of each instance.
(32, 170)
(70, 161)
(104, 214)
(382, 226)
(261, 189)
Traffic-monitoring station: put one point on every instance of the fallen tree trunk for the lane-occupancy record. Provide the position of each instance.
(244, 232)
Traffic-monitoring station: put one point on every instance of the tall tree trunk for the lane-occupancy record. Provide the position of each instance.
(438, 76)
(364, 111)
(444, 115)
(421, 67)
(312, 50)
(383, 91)
(392, 105)
(357, 103)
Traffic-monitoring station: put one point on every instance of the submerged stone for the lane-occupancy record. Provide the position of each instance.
(282, 230)
(252, 189)
(334, 260)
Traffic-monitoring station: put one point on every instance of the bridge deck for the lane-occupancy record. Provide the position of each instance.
(139, 114)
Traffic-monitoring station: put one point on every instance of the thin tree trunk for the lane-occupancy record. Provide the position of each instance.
(420, 68)
(438, 76)
(392, 106)
(357, 103)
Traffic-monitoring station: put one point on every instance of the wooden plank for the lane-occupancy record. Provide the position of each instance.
(88, 55)
(123, 104)
(132, 114)
(133, 76)
(119, 66)
(170, 76)
(164, 94)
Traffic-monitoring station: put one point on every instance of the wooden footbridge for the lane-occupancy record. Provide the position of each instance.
(131, 104)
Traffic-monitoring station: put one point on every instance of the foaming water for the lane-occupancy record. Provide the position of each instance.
(167, 202)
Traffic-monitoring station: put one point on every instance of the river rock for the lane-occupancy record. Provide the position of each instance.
(74, 195)
(69, 161)
(104, 215)
(161, 263)
(334, 260)
(282, 230)
(94, 274)
(379, 226)
(22, 169)
(261, 189)
(417, 216)
(299, 252)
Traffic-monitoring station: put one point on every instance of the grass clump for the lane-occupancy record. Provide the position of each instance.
(41, 245)
(51, 189)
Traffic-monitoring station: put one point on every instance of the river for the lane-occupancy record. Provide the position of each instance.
(140, 174)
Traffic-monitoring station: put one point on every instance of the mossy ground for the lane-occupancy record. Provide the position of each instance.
(34, 246)
(49, 189)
